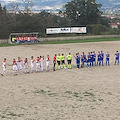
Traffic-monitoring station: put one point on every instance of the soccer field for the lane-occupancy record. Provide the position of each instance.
(74, 94)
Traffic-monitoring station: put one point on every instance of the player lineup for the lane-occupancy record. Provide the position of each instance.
(91, 59)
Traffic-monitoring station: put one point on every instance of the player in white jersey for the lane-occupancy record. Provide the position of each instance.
(41, 62)
(47, 63)
(37, 64)
(19, 66)
(32, 64)
(14, 63)
(4, 67)
(25, 62)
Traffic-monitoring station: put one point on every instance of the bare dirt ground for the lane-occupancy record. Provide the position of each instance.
(84, 94)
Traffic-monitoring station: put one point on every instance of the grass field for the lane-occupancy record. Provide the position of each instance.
(68, 41)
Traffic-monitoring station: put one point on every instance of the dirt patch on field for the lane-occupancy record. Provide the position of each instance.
(84, 94)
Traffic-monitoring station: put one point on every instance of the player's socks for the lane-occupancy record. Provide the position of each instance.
(102, 63)
(95, 63)
(59, 67)
(68, 66)
(88, 65)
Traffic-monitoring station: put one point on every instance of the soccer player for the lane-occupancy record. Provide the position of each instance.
(88, 60)
(102, 57)
(41, 62)
(54, 62)
(99, 58)
(4, 67)
(37, 64)
(19, 66)
(77, 57)
(83, 59)
(25, 62)
(58, 61)
(62, 61)
(14, 63)
(117, 57)
(94, 59)
(107, 58)
(32, 64)
(69, 59)
(47, 63)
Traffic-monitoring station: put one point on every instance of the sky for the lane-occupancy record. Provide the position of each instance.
(52, 4)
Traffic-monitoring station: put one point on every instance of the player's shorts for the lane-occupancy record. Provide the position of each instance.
(81, 60)
(84, 60)
(47, 63)
(89, 60)
(117, 58)
(54, 62)
(99, 59)
(38, 66)
(77, 61)
(32, 65)
(4, 69)
(26, 67)
(102, 59)
(94, 59)
(107, 59)
(14, 67)
(19, 67)
(58, 62)
(69, 61)
(41, 65)
(63, 61)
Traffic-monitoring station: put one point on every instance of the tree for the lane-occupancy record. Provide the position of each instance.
(14, 7)
(83, 12)
(27, 4)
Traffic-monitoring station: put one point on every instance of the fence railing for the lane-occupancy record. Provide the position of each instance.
(68, 38)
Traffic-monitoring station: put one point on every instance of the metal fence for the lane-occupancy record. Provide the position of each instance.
(68, 38)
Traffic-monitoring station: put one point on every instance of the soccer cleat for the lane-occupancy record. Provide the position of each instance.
(4, 75)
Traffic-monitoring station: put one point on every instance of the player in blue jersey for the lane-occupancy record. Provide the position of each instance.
(99, 58)
(102, 57)
(77, 57)
(117, 57)
(107, 58)
(83, 59)
(94, 59)
(88, 60)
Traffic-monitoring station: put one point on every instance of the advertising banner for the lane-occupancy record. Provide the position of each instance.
(78, 29)
(66, 30)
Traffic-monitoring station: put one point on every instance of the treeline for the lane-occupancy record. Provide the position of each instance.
(77, 13)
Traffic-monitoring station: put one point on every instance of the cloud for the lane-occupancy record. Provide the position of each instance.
(42, 7)
(9, 0)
